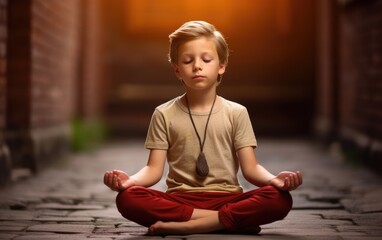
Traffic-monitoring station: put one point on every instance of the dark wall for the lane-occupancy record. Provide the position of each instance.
(5, 161)
(360, 80)
(50, 73)
(349, 103)
(271, 67)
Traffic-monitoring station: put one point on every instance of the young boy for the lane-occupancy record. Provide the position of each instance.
(205, 138)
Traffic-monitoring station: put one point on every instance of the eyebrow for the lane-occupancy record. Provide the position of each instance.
(190, 54)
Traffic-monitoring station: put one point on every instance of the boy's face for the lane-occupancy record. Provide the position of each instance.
(198, 64)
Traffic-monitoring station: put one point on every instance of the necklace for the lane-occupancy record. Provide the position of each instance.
(201, 163)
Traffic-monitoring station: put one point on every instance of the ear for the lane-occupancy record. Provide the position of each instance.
(176, 70)
(221, 68)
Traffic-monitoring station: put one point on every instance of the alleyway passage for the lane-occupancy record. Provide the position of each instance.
(69, 201)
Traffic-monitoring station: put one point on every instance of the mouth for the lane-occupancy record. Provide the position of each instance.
(198, 77)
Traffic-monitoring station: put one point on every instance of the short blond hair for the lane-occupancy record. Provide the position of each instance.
(193, 30)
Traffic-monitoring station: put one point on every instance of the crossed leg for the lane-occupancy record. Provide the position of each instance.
(202, 221)
(187, 214)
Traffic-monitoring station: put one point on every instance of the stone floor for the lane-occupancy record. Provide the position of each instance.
(69, 200)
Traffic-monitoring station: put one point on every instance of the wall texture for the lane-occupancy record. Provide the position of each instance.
(360, 81)
(349, 77)
(42, 69)
(5, 160)
(50, 73)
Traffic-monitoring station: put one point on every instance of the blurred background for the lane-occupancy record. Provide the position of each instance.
(77, 73)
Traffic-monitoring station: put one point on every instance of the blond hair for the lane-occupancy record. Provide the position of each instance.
(193, 30)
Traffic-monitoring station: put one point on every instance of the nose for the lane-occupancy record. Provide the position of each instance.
(198, 65)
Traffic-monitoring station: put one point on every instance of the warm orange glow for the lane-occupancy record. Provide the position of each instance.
(149, 17)
(158, 16)
(271, 64)
(283, 16)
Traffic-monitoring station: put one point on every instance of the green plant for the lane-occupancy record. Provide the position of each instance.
(88, 134)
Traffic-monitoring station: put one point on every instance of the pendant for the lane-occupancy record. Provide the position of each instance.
(201, 165)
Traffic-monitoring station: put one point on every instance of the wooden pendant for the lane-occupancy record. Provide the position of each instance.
(201, 165)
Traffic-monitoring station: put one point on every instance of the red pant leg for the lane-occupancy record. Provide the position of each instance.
(255, 208)
(147, 206)
(236, 211)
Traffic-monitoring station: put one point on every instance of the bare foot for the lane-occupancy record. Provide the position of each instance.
(165, 228)
(209, 223)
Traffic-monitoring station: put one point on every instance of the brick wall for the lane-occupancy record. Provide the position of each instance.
(326, 110)
(54, 61)
(360, 99)
(5, 162)
(43, 59)
(349, 77)
(90, 85)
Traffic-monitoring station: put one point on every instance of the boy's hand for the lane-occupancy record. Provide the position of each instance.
(118, 180)
(287, 181)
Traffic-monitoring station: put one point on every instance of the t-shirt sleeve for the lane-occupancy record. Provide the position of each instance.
(243, 131)
(157, 133)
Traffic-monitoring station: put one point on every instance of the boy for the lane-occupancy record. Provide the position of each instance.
(205, 138)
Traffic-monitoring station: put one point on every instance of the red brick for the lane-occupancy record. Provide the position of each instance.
(361, 68)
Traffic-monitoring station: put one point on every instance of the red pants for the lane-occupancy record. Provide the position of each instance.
(236, 210)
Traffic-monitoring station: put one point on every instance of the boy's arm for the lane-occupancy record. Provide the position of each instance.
(256, 174)
(252, 171)
(153, 171)
(149, 175)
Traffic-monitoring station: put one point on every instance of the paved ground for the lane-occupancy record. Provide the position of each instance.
(69, 200)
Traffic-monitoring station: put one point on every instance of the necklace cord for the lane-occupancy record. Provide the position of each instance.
(193, 123)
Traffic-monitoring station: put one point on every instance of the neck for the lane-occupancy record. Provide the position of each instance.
(200, 101)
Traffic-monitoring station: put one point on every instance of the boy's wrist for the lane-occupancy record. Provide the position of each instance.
(133, 182)
(269, 182)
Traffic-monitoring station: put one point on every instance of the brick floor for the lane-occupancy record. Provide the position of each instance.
(69, 200)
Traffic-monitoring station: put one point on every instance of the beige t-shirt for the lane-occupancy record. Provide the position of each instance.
(229, 130)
